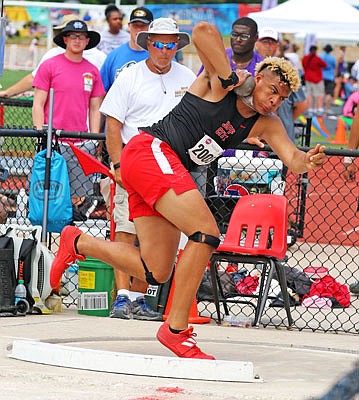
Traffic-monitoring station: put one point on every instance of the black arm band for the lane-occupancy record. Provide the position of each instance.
(116, 166)
(231, 80)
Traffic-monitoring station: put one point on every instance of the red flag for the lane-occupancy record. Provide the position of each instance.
(89, 163)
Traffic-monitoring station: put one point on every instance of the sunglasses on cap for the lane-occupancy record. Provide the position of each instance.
(161, 46)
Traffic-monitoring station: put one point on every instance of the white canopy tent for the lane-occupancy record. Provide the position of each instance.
(330, 18)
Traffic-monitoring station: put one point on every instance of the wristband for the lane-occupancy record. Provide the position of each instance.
(116, 166)
(348, 160)
(231, 80)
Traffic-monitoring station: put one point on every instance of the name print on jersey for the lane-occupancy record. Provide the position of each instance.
(225, 130)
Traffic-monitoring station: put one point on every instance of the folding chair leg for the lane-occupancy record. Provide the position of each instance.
(284, 289)
(213, 270)
(264, 296)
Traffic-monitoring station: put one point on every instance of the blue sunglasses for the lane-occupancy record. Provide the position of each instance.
(161, 46)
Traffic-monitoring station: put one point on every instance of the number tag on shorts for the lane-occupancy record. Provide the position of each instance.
(205, 151)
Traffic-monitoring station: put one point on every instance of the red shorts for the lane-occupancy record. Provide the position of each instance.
(149, 168)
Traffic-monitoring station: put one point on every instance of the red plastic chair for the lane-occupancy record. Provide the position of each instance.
(256, 234)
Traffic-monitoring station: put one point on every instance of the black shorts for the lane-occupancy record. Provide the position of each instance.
(329, 87)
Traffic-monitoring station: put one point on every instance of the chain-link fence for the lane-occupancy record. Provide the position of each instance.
(322, 236)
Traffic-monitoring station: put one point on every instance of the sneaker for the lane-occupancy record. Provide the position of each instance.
(66, 254)
(141, 310)
(121, 308)
(354, 288)
(182, 344)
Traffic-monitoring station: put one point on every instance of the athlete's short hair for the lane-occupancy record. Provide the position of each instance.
(283, 68)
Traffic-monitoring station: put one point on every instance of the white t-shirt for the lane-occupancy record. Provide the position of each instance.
(139, 97)
(94, 56)
(110, 41)
(293, 58)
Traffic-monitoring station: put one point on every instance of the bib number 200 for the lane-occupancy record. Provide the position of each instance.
(205, 151)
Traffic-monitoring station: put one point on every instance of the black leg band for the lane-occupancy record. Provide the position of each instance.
(200, 237)
(149, 277)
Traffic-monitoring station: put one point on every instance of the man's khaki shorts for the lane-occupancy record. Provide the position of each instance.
(120, 212)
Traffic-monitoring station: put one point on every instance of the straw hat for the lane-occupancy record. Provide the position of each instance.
(65, 20)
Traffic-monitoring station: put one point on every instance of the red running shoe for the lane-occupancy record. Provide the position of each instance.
(182, 344)
(66, 254)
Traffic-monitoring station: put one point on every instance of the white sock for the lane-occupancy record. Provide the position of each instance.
(133, 295)
(123, 292)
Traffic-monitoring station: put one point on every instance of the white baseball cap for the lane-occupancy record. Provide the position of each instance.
(163, 26)
(268, 32)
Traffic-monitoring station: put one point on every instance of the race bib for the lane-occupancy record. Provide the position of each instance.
(205, 151)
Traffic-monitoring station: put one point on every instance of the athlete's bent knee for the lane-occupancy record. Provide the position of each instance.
(200, 237)
(151, 279)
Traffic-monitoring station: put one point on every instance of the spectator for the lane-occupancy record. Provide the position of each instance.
(314, 83)
(241, 54)
(350, 85)
(351, 105)
(128, 53)
(10, 30)
(354, 72)
(115, 35)
(296, 104)
(163, 199)
(293, 57)
(340, 72)
(329, 77)
(93, 55)
(33, 50)
(140, 96)
(268, 40)
(243, 38)
(78, 92)
(129, 289)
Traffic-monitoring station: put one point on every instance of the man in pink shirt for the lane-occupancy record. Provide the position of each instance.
(78, 93)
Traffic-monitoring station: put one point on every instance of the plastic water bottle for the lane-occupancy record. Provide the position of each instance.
(20, 291)
(21, 303)
(21, 202)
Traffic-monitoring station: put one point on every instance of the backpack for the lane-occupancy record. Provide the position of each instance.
(59, 200)
(25, 244)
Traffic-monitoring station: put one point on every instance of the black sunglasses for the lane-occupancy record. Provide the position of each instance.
(242, 36)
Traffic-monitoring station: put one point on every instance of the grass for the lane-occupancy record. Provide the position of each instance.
(18, 117)
(11, 76)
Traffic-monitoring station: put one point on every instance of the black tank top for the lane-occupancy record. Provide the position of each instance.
(194, 117)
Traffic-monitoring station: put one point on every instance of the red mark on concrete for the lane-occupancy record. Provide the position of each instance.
(170, 389)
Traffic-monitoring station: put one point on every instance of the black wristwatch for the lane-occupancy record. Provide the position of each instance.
(231, 80)
(116, 166)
